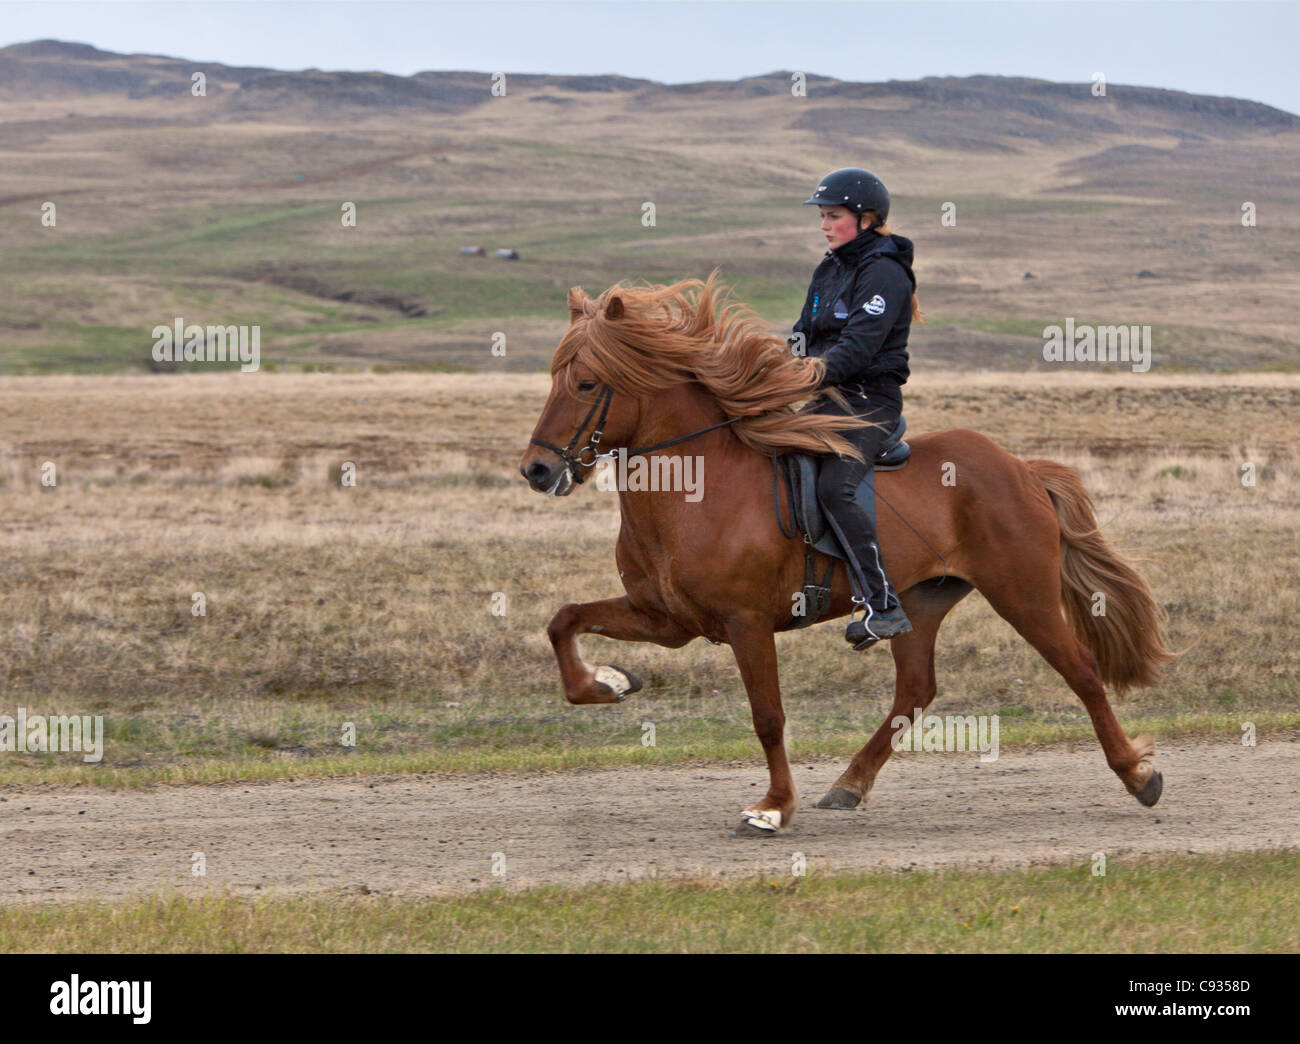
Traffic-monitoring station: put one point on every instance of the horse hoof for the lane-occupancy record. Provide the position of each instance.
(839, 797)
(757, 824)
(1150, 793)
(621, 682)
(632, 679)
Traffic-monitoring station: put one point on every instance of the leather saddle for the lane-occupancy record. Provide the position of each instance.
(801, 471)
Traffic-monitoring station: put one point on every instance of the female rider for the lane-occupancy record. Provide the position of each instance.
(856, 319)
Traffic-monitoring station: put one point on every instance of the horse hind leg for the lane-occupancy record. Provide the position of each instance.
(915, 687)
(1036, 615)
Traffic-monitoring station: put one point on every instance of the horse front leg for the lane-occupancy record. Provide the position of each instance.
(754, 646)
(612, 618)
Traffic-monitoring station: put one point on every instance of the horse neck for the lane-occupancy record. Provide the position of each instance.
(728, 462)
(677, 411)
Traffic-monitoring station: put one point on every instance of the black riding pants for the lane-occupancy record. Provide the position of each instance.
(839, 478)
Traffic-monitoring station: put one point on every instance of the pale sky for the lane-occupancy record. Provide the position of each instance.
(1239, 49)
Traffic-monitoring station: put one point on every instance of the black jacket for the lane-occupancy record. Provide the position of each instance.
(859, 310)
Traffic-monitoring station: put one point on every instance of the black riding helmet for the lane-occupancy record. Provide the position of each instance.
(854, 188)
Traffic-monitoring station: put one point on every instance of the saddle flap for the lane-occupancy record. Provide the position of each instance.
(803, 469)
(808, 512)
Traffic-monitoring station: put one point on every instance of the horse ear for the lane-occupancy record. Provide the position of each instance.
(614, 308)
(577, 297)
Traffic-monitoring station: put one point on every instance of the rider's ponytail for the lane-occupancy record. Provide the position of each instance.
(883, 229)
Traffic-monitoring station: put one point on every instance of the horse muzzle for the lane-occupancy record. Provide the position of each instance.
(553, 480)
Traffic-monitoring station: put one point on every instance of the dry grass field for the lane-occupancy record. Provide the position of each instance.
(373, 604)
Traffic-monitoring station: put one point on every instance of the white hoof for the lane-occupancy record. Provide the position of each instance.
(763, 820)
(617, 682)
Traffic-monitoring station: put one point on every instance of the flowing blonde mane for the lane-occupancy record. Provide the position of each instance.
(643, 339)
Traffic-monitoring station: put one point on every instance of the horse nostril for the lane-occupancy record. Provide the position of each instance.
(537, 473)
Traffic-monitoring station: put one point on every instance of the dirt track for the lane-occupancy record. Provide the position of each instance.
(437, 834)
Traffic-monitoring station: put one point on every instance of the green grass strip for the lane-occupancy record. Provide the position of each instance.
(1172, 904)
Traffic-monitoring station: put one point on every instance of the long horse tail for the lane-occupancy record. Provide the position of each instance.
(1125, 635)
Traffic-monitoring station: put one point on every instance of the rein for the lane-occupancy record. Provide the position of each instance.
(606, 396)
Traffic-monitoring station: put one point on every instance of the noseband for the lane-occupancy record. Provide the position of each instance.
(575, 462)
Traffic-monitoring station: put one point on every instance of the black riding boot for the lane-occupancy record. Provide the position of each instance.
(836, 485)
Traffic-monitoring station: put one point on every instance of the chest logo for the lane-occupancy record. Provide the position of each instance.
(876, 306)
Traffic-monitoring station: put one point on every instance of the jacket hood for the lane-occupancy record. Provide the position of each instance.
(896, 248)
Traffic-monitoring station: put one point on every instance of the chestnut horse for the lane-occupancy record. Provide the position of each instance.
(644, 368)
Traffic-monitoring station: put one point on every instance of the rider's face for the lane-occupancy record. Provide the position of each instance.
(839, 225)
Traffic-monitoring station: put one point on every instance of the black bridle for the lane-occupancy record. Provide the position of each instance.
(602, 402)
(575, 462)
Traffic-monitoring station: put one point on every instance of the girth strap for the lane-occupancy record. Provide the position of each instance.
(816, 597)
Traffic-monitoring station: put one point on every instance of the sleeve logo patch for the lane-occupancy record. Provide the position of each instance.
(876, 306)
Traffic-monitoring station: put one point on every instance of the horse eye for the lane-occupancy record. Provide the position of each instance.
(586, 385)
